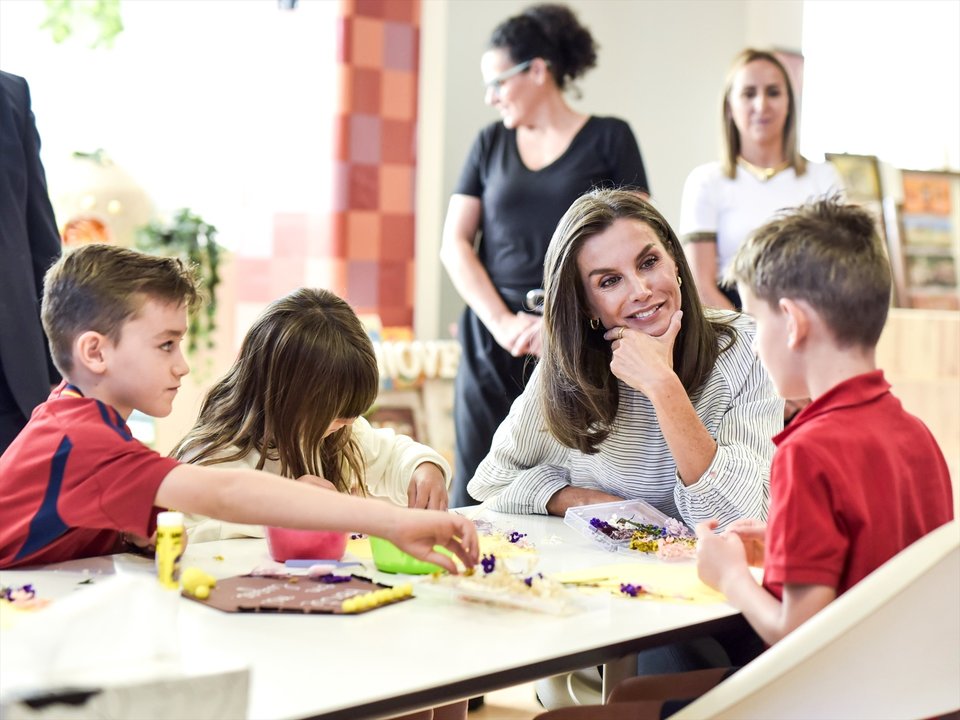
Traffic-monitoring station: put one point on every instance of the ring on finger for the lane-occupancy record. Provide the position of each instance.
(620, 336)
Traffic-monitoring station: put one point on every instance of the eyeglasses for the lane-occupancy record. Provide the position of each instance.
(497, 81)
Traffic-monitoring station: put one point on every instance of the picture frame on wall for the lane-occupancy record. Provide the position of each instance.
(402, 412)
(863, 186)
(792, 60)
(861, 176)
(929, 224)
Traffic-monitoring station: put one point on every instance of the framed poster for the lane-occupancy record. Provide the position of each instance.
(793, 61)
(930, 238)
(401, 411)
(862, 185)
(861, 176)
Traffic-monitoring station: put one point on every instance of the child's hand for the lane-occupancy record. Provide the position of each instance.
(720, 558)
(417, 531)
(428, 488)
(752, 533)
(131, 542)
(318, 482)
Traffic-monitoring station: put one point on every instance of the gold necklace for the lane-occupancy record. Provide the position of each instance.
(763, 174)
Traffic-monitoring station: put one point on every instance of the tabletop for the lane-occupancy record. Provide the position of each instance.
(421, 653)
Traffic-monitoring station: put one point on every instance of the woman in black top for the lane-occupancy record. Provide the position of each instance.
(520, 177)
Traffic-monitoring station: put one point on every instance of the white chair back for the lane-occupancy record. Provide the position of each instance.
(887, 648)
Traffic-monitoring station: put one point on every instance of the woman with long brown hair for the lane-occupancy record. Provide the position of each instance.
(641, 393)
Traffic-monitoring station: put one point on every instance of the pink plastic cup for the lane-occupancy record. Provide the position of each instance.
(285, 544)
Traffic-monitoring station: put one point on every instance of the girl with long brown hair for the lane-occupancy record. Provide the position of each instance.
(292, 405)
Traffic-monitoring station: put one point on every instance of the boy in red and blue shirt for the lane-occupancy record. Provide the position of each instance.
(75, 483)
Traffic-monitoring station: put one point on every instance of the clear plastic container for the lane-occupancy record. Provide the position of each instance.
(478, 589)
(637, 510)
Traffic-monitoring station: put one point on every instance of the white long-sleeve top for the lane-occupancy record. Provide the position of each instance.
(389, 460)
(738, 405)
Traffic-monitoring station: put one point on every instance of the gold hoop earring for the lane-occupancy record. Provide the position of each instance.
(679, 281)
(594, 323)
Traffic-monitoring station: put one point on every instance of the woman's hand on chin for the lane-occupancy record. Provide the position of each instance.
(643, 360)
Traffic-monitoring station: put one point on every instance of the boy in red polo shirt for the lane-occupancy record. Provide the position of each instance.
(75, 482)
(855, 479)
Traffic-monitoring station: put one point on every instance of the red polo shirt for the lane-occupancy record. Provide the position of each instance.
(855, 479)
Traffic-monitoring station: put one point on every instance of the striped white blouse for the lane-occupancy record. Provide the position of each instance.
(738, 406)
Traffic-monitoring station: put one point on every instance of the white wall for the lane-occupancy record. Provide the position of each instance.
(222, 107)
(894, 71)
(661, 67)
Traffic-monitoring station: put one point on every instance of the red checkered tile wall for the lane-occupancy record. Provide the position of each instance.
(364, 249)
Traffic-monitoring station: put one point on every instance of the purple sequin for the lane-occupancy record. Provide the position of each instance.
(331, 578)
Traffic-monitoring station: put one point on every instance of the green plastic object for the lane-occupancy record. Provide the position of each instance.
(391, 559)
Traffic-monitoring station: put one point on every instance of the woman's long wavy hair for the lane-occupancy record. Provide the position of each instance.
(306, 362)
(579, 393)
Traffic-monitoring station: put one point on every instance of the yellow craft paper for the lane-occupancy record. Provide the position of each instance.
(9, 615)
(674, 583)
(359, 549)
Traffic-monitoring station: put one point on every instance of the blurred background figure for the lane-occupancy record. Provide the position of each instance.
(520, 177)
(29, 244)
(761, 171)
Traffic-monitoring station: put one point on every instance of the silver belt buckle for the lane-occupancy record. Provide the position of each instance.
(534, 301)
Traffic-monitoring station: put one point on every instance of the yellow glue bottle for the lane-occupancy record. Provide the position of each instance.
(170, 535)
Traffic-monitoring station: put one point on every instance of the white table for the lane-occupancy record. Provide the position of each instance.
(414, 654)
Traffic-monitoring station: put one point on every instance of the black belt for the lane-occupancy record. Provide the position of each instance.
(527, 300)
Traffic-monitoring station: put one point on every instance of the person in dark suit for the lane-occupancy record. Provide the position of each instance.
(29, 244)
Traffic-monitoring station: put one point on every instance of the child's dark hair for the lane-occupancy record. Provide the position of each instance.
(551, 32)
(99, 287)
(304, 363)
(828, 254)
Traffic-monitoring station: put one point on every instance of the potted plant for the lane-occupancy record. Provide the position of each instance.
(193, 240)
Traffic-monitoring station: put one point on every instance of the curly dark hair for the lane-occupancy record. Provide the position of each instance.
(551, 32)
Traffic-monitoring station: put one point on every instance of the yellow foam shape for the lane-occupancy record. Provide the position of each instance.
(197, 583)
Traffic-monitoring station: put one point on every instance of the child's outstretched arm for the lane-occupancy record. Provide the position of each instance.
(722, 564)
(253, 497)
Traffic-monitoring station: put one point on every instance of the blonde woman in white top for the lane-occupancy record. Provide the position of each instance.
(761, 172)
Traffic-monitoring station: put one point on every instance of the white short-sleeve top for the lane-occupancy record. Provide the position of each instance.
(733, 208)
